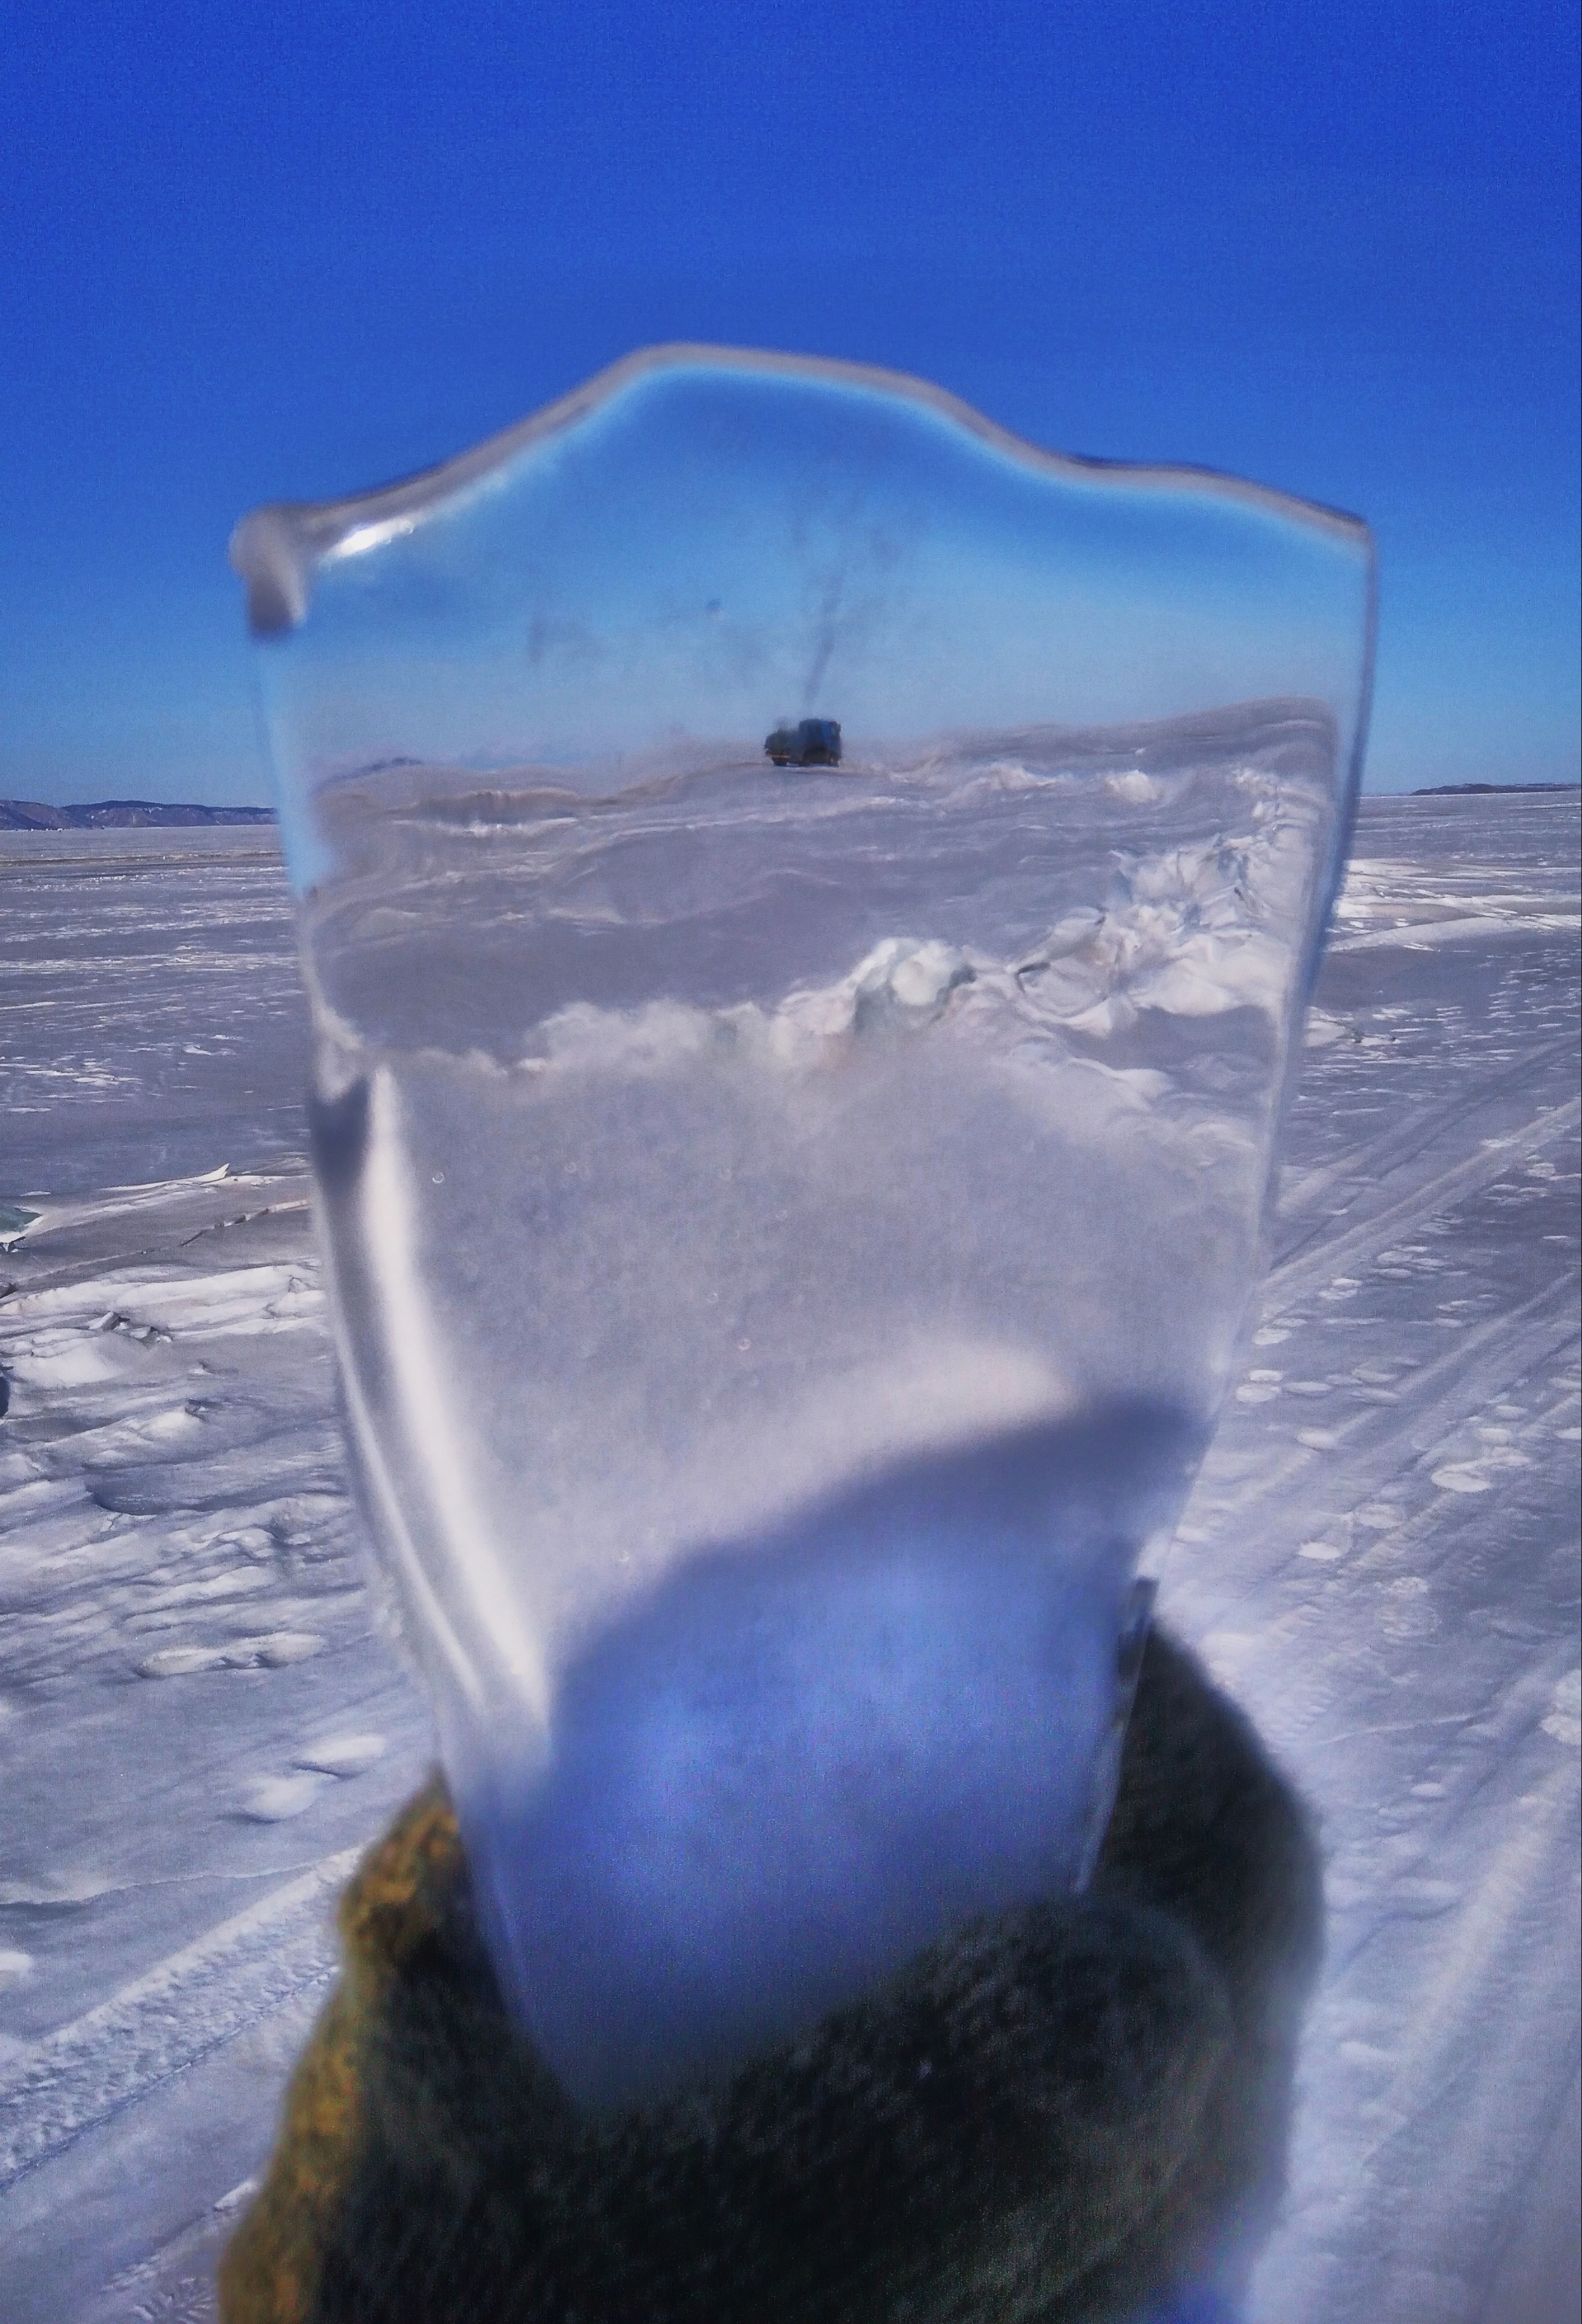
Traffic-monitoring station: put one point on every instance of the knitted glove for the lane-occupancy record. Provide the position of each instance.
(1076, 2110)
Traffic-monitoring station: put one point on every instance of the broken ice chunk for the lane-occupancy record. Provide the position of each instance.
(905, 981)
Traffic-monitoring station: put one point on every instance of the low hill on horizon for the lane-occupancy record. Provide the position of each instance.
(108, 815)
(131, 814)
(1471, 790)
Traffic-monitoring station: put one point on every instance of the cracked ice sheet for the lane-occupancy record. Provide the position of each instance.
(1380, 1562)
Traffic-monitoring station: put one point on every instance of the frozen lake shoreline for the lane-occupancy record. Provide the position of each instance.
(1380, 1562)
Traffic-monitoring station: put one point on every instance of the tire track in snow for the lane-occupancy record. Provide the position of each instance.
(1508, 1965)
(1310, 1268)
(166, 2020)
(1405, 1142)
(1381, 1441)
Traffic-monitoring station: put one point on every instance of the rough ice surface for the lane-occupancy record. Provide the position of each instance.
(1409, 1647)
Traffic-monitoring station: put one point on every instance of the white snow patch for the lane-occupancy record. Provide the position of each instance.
(1322, 1031)
(179, 1420)
(342, 1755)
(1136, 789)
(62, 1892)
(271, 1651)
(1565, 1720)
(276, 1799)
(278, 1647)
(1463, 1477)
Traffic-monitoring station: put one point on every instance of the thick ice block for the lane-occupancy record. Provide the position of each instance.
(791, 1226)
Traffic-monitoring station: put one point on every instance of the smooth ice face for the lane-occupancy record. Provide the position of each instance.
(790, 1225)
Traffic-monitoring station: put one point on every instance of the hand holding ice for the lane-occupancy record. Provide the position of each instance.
(790, 1226)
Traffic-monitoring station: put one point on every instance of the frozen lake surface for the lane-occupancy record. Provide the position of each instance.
(200, 1728)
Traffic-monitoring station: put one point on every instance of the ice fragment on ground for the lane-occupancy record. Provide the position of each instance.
(13, 1964)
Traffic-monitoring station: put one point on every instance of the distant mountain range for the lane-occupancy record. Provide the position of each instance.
(109, 815)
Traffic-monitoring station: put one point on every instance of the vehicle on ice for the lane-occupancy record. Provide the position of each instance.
(811, 743)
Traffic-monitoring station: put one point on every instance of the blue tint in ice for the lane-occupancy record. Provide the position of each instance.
(790, 1229)
(803, 1758)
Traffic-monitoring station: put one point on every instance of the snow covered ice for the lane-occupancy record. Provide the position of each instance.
(788, 1239)
(1379, 1560)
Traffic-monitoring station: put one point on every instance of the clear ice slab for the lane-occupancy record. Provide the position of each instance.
(807, 904)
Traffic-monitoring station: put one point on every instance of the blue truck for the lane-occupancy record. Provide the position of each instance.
(811, 743)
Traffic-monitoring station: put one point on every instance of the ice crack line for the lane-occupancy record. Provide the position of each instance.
(165, 2021)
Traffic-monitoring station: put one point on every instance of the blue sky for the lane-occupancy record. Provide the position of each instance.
(286, 251)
